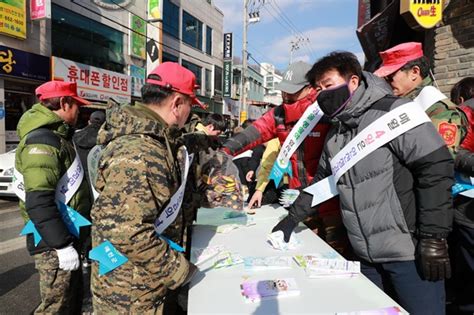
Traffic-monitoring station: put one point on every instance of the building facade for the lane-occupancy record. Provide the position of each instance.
(270, 78)
(193, 36)
(449, 44)
(103, 46)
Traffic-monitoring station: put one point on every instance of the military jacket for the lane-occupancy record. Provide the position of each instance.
(137, 175)
(448, 119)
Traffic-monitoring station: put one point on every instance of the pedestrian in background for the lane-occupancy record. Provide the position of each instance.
(462, 94)
(43, 156)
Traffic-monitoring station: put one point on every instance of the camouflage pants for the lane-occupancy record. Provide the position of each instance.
(61, 291)
(103, 309)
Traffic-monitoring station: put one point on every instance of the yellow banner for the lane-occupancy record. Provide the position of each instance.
(13, 18)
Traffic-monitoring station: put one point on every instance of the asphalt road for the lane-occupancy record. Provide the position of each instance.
(19, 290)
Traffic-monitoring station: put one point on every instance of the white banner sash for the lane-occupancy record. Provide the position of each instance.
(378, 133)
(303, 127)
(171, 212)
(67, 186)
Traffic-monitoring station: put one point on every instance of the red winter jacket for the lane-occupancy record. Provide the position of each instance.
(468, 109)
(278, 122)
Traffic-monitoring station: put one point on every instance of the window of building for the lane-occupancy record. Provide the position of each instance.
(209, 40)
(71, 31)
(192, 31)
(169, 57)
(218, 82)
(194, 69)
(170, 18)
(269, 78)
(208, 82)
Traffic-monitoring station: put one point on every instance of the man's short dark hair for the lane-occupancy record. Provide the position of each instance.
(154, 94)
(54, 103)
(422, 63)
(247, 123)
(464, 89)
(217, 120)
(344, 62)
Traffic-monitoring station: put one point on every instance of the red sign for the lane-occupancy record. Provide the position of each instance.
(40, 9)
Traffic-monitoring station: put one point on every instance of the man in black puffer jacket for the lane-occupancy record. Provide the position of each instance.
(396, 202)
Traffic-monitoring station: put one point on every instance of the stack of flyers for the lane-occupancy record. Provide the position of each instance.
(318, 268)
(276, 240)
(394, 310)
(288, 196)
(254, 290)
(200, 255)
(267, 263)
(227, 259)
(304, 260)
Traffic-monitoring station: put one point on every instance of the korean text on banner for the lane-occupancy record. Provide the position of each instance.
(13, 18)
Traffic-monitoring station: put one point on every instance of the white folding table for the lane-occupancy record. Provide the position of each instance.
(217, 291)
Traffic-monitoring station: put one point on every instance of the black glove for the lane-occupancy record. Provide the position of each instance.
(287, 225)
(433, 259)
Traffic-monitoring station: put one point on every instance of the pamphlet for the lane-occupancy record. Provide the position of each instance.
(320, 267)
(394, 310)
(227, 259)
(200, 255)
(276, 240)
(257, 290)
(267, 263)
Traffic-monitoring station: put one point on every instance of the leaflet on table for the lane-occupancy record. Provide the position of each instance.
(318, 267)
(267, 263)
(276, 239)
(394, 310)
(201, 255)
(227, 259)
(288, 196)
(257, 290)
(220, 216)
(304, 260)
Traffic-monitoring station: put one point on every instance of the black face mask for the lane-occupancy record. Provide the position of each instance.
(332, 101)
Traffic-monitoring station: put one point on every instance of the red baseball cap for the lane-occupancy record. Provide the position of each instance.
(59, 89)
(172, 75)
(396, 57)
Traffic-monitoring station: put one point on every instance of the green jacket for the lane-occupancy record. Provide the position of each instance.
(137, 175)
(449, 120)
(43, 155)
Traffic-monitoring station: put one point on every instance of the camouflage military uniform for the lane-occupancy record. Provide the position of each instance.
(450, 121)
(137, 176)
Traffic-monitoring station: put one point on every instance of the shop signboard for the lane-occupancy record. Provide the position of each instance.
(227, 78)
(227, 46)
(40, 9)
(137, 75)
(375, 35)
(137, 37)
(13, 18)
(422, 13)
(93, 83)
(153, 45)
(21, 64)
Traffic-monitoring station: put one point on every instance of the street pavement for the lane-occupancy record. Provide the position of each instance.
(19, 289)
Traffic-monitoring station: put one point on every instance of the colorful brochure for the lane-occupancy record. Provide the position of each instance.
(257, 290)
(267, 263)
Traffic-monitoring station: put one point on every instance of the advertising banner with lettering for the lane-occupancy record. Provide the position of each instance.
(227, 88)
(137, 37)
(22, 64)
(40, 9)
(13, 18)
(93, 83)
(375, 35)
(153, 44)
(422, 13)
(137, 75)
(227, 46)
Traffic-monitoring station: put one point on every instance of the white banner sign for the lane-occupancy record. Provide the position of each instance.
(93, 83)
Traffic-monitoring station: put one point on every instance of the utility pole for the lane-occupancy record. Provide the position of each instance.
(243, 93)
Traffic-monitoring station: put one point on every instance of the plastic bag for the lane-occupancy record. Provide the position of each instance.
(220, 181)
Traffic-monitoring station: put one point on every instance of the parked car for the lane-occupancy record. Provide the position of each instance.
(7, 163)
